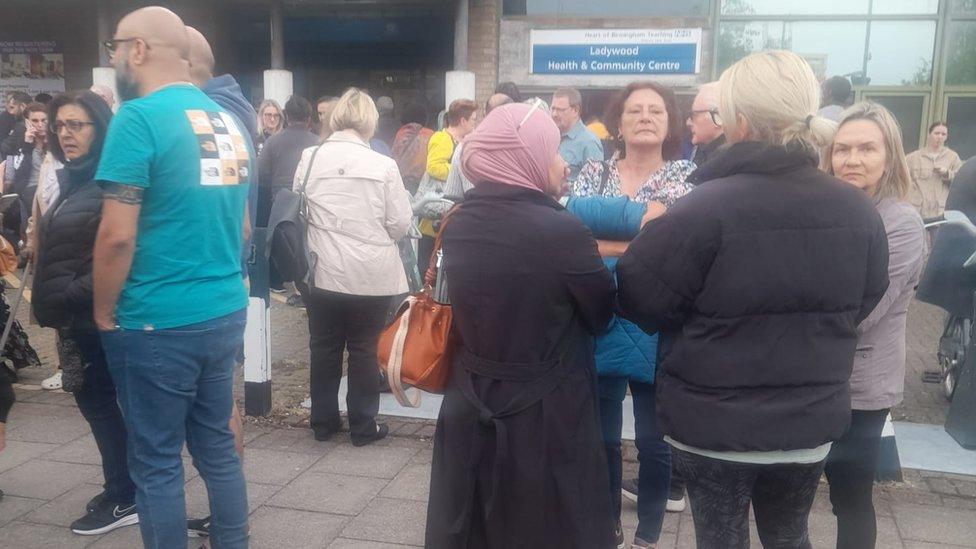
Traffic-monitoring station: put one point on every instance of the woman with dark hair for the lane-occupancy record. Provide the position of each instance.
(649, 170)
(932, 168)
(510, 89)
(62, 298)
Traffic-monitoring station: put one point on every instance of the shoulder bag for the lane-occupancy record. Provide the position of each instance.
(415, 349)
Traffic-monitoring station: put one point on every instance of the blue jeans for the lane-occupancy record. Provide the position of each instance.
(176, 385)
(653, 454)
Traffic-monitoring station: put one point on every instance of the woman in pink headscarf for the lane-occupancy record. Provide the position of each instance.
(518, 454)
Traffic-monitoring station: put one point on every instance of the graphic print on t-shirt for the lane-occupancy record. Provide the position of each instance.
(224, 156)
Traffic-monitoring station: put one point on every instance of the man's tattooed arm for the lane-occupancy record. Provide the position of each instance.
(126, 194)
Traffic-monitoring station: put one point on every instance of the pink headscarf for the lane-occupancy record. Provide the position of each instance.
(512, 146)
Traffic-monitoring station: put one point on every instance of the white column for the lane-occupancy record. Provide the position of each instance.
(106, 77)
(461, 36)
(458, 85)
(278, 85)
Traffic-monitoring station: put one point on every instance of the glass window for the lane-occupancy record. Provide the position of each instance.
(961, 53)
(900, 53)
(964, 7)
(795, 7)
(908, 110)
(901, 7)
(607, 8)
(831, 48)
(961, 116)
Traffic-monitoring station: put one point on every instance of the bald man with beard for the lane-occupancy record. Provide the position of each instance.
(169, 297)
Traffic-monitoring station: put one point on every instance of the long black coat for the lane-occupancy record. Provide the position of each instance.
(757, 280)
(518, 454)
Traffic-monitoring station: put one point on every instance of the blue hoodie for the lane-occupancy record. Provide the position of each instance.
(226, 92)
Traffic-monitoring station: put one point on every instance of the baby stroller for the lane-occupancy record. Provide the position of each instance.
(17, 352)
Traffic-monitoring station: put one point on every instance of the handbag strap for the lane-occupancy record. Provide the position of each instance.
(308, 171)
(604, 177)
(411, 400)
(430, 276)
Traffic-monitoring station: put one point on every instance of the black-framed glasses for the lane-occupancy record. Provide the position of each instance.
(73, 126)
(713, 113)
(112, 45)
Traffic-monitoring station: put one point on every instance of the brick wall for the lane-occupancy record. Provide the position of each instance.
(483, 18)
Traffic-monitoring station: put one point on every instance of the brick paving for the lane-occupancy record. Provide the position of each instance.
(305, 493)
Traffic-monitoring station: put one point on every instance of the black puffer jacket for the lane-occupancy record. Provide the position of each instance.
(757, 281)
(62, 293)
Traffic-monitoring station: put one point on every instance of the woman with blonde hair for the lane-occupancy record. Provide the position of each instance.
(271, 120)
(756, 281)
(357, 210)
(867, 153)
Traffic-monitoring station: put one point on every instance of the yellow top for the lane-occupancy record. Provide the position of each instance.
(440, 149)
(599, 130)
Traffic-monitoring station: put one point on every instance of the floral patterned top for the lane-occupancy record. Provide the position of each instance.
(666, 185)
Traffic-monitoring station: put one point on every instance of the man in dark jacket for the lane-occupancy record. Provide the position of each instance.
(277, 165)
(707, 134)
(13, 112)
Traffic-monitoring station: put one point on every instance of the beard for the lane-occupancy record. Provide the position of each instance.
(125, 84)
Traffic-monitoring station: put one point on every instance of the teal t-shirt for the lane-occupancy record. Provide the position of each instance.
(193, 162)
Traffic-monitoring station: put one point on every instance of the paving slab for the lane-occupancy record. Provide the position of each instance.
(275, 466)
(936, 524)
(42, 479)
(412, 482)
(274, 528)
(293, 440)
(81, 450)
(328, 493)
(198, 504)
(19, 452)
(123, 538)
(66, 508)
(13, 507)
(41, 536)
(345, 543)
(367, 461)
(391, 521)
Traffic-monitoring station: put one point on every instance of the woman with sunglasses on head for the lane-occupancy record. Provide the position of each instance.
(62, 298)
(518, 459)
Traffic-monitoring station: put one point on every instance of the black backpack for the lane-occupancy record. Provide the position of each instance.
(288, 234)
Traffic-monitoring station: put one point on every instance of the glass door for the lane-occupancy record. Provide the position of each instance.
(960, 109)
(909, 109)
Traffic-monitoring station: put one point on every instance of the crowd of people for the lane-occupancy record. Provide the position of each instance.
(749, 292)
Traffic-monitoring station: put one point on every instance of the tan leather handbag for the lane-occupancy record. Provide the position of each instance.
(415, 349)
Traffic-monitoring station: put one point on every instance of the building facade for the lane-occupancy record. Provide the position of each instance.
(917, 57)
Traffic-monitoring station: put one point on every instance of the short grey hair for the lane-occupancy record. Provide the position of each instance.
(572, 94)
(355, 110)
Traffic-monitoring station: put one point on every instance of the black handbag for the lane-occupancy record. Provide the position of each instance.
(288, 234)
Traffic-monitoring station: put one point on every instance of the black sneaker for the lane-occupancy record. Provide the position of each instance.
(105, 518)
(94, 502)
(629, 489)
(198, 528)
(382, 430)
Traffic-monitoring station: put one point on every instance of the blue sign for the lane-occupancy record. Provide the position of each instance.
(614, 58)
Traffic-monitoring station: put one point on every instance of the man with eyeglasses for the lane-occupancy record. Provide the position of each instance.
(577, 145)
(169, 297)
(705, 124)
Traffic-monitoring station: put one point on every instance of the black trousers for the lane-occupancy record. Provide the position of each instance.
(98, 403)
(721, 492)
(425, 247)
(338, 322)
(851, 467)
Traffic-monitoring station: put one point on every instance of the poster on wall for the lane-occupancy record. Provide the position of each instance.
(616, 51)
(33, 67)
